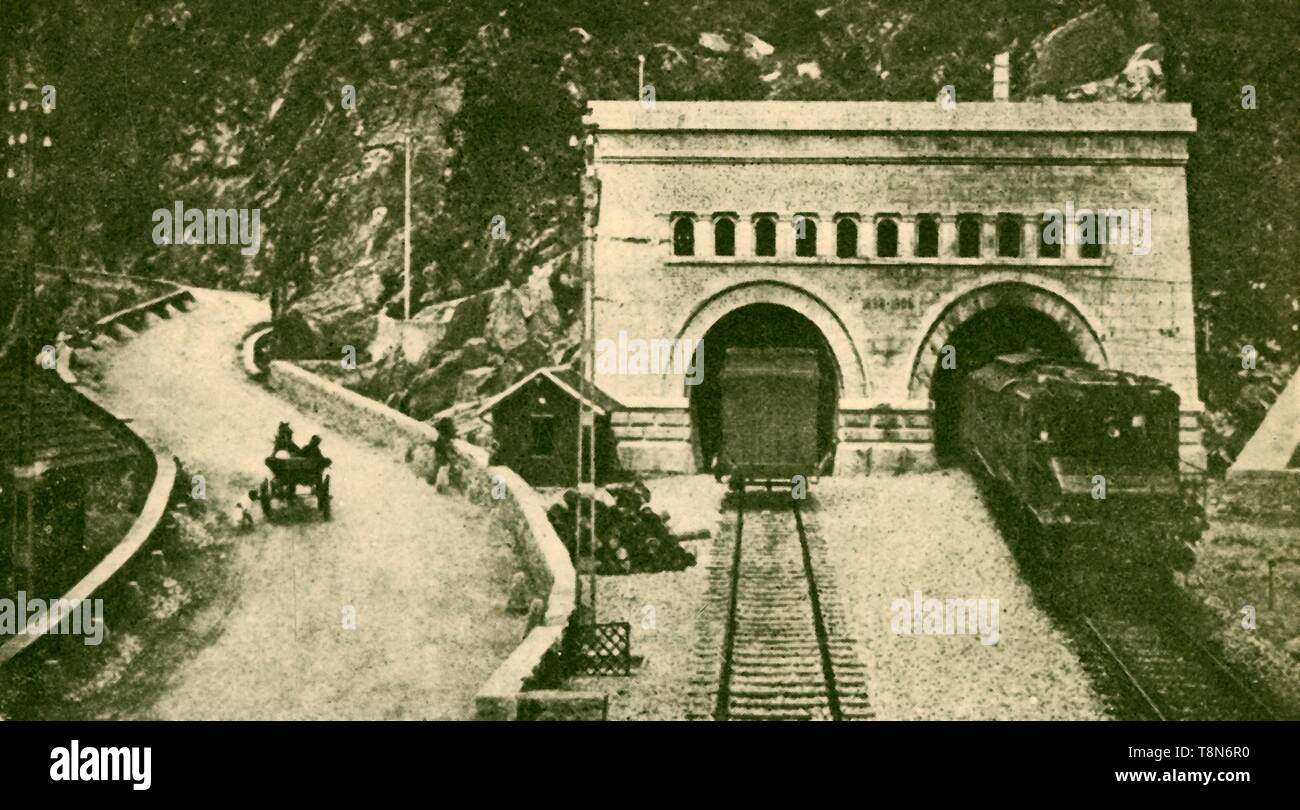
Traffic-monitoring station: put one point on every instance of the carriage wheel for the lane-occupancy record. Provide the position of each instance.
(264, 497)
(323, 497)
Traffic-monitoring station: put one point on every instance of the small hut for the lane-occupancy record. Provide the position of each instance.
(66, 447)
(535, 425)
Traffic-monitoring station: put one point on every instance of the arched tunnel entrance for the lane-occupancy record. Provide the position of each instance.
(985, 335)
(759, 326)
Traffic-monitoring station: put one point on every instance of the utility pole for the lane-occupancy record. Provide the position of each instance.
(26, 475)
(586, 411)
(406, 250)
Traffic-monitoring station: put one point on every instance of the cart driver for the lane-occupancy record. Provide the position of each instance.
(312, 449)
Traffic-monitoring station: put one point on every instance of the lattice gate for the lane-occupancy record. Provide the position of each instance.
(599, 649)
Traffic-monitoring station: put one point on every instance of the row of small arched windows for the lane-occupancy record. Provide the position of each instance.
(969, 237)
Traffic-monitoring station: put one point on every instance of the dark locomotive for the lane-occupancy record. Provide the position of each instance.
(1080, 449)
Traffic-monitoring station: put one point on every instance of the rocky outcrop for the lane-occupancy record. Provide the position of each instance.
(480, 344)
(507, 325)
(1088, 48)
(1142, 80)
(332, 316)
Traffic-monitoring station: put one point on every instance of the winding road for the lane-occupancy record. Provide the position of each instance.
(419, 569)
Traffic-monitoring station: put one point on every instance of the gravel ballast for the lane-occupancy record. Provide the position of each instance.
(888, 538)
(885, 538)
(662, 609)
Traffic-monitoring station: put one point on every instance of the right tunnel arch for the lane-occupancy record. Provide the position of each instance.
(981, 324)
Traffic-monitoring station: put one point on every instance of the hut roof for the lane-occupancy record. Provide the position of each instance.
(567, 380)
(64, 430)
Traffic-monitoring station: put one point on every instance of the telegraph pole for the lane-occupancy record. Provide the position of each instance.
(27, 138)
(406, 248)
(586, 410)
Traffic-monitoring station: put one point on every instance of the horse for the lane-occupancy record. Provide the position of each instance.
(284, 440)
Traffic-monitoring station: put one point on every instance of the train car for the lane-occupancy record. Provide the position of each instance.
(1073, 444)
(769, 415)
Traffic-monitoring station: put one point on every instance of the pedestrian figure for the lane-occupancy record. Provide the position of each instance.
(517, 600)
(242, 514)
(444, 453)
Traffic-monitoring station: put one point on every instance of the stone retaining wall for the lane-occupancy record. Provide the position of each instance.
(516, 509)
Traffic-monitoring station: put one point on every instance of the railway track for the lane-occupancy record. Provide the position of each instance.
(772, 645)
(1145, 665)
(1164, 673)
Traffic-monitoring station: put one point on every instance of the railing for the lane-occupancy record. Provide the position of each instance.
(161, 295)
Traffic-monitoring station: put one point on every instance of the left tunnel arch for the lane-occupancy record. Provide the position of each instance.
(760, 326)
(850, 369)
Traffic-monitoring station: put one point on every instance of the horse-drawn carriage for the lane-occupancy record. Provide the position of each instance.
(293, 467)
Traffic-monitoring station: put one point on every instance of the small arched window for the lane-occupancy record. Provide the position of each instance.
(1091, 236)
(724, 236)
(805, 236)
(1051, 232)
(968, 237)
(887, 238)
(765, 236)
(927, 236)
(683, 235)
(846, 238)
(1009, 236)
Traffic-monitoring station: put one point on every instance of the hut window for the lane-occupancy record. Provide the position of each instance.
(927, 236)
(805, 236)
(683, 235)
(1009, 236)
(541, 441)
(968, 237)
(724, 237)
(846, 238)
(1050, 233)
(765, 236)
(887, 238)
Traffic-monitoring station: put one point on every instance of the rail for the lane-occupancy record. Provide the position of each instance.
(782, 656)
(1169, 674)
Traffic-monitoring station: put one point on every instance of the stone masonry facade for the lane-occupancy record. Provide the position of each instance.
(885, 318)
